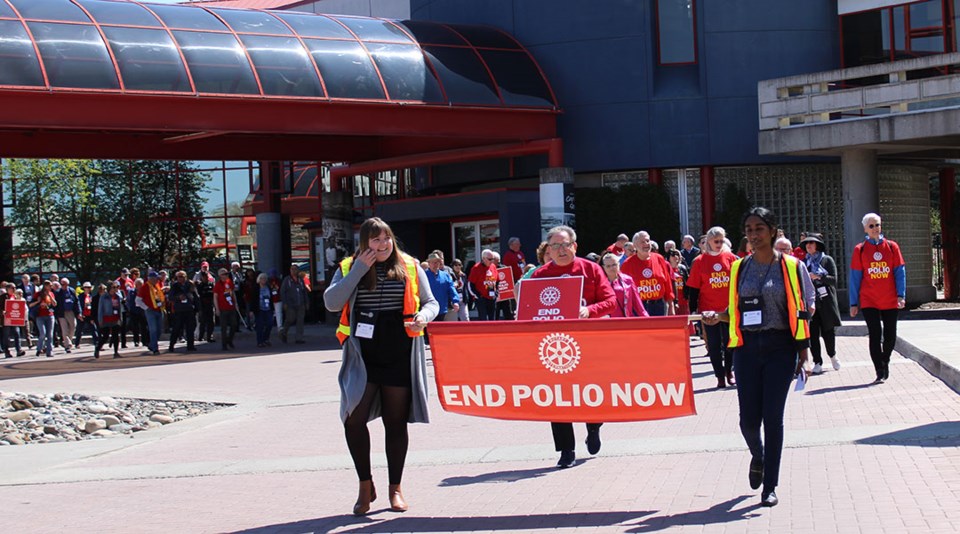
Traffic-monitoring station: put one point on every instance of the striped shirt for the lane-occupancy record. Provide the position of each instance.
(388, 295)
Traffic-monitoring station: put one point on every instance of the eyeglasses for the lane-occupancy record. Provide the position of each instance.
(566, 245)
(608, 265)
(874, 225)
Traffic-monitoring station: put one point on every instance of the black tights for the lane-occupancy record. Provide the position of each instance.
(395, 410)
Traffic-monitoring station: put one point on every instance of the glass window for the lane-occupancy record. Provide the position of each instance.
(119, 13)
(252, 21)
(486, 37)
(18, 59)
(5, 11)
(431, 33)
(283, 66)
(926, 14)
(74, 56)
(188, 18)
(518, 78)
(375, 30)
(148, 59)
(464, 76)
(50, 10)
(315, 26)
(865, 38)
(217, 63)
(927, 45)
(676, 31)
(346, 69)
(405, 72)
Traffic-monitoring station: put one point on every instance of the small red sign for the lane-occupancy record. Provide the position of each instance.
(505, 285)
(15, 313)
(546, 299)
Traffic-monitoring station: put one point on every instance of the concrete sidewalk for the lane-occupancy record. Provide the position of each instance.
(859, 458)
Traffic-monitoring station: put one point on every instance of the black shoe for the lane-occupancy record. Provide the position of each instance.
(567, 459)
(769, 499)
(210, 339)
(593, 440)
(886, 370)
(721, 383)
(230, 344)
(8, 355)
(283, 337)
(22, 353)
(879, 380)
(123, 346)
(756, 473)
(156, 353)
(299, 342)
(192, 349)
(171, 349)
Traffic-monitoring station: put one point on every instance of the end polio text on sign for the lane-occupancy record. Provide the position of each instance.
(572, 370)
(543, 299)
(15, 313)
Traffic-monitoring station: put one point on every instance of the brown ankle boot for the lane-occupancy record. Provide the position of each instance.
(397, 502)
(366, 494)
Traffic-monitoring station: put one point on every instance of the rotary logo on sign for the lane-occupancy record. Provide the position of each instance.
(502, 276)
(877, 256)
(549, 296)
(559, 353)
(717, 267)
(648, 273)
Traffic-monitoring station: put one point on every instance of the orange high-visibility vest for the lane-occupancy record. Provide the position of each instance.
(796, 306)
(411, 298)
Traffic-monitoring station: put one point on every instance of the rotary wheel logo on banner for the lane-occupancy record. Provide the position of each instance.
(559, 353)
(549, 296)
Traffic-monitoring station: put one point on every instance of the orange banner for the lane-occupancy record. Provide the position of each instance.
(586, 370)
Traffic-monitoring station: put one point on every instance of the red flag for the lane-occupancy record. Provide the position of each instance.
(606, 370)
(505, 284)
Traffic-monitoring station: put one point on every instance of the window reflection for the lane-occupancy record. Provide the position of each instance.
(74, 56)
(18, 60)
(217, 63)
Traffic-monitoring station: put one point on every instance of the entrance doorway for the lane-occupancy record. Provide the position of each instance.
(469, 238)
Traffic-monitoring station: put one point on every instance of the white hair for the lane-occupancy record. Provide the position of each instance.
(637, 235)
(495, 256)
(513, 240)
(487, 253)
(781, 241)
(562, 229)
(870, 217)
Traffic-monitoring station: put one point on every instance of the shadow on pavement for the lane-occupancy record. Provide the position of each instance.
(453, 524)
(499, 476)
(940, 434)
(840, 388)
(718, 513)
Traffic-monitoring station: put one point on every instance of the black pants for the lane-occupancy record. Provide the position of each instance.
(504, 307)
(206, 320)
(110, 336)
(765, 366)
(183, 324)
(486, 309)
(882, 328)
(718, 336)
(829, 339)
(563, 439)
(136, 323)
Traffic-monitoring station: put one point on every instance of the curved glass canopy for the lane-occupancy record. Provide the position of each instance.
(126, 46)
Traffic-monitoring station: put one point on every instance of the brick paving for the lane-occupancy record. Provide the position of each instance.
(859, 458)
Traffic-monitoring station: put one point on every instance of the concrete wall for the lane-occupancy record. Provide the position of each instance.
(624, 111)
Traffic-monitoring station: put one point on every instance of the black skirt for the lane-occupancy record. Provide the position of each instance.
(387, 355)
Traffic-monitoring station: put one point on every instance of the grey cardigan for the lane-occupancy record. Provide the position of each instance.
(353, 374)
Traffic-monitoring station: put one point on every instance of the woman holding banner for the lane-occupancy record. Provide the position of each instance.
(598, 300)
(709, 288)
(768, 310)
(386, 302)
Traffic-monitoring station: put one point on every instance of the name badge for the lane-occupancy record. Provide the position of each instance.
(366, 321)
(822, 291)
(751, 311)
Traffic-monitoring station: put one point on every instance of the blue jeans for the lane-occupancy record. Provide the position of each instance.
(155, 325)
(8, 333)
(765, 366)
(89, 325)
(45, 335)
(655, 308)
(264, 325)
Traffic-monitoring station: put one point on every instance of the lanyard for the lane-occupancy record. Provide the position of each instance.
(763, 282)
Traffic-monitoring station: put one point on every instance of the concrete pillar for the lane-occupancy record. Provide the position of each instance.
(708, 196)
(557, 204)
(861, 191)
(269, 240)
(948, 232)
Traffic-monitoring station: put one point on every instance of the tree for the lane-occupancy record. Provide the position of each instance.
(96, 216)
(602, 213)
(734, 204)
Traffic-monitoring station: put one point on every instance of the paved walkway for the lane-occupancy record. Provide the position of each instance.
(859, 458)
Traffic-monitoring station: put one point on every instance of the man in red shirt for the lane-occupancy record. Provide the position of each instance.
(225, 306)
(598, 300)
(483, 278)
(617, 248)
(653, 276)
(514, 258)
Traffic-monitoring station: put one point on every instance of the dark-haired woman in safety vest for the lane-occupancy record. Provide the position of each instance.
(771, 299)
(386, 303)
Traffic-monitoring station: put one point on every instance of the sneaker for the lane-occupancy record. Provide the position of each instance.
(68, 351)
(593, 440)
(836, 363)
(567, 459)
(818, 369)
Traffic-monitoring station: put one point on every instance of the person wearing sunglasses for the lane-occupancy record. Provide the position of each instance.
(878, 287)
